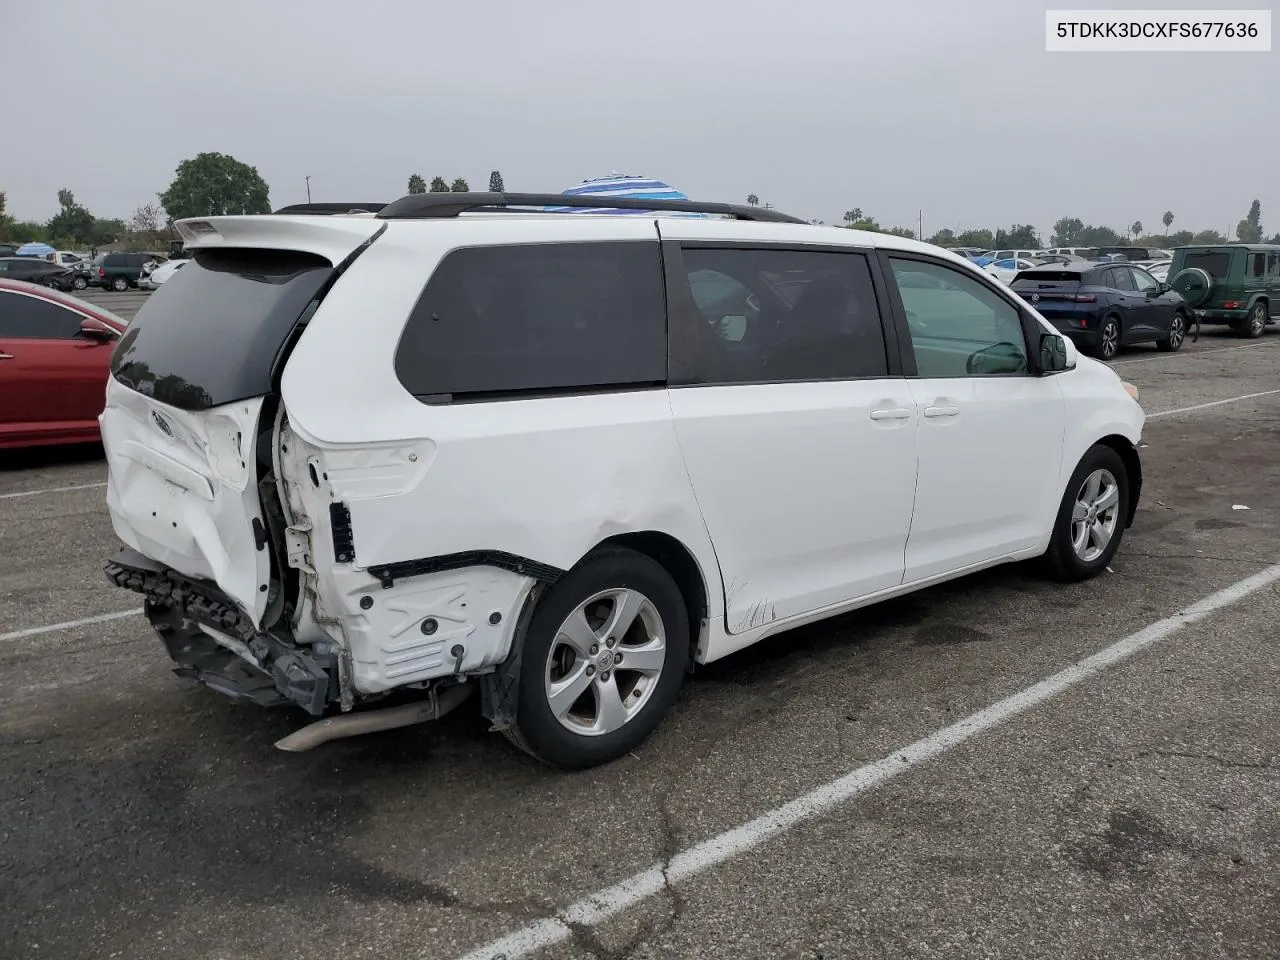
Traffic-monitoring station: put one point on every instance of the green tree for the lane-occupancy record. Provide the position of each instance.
(1092, 236)
(1206, 238)
(107, 231)
(1249, 230)
(460, 186)
(213, 185)
(1066, 232)
(1135, 228)
(752, 200)
(438, 185)
(900, 232)
(1167, 220)
(976, 238)
(417, 184)
(855, 219)
(72, 222)
(1019, 235)
(1179, 238)
(945, 237)
(495, 182)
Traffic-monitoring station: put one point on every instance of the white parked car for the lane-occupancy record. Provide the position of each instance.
(457, 445)
(1006, 270)
(159, 274)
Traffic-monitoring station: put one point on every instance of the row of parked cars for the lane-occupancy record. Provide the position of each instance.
(1106, 302)
(67, 271)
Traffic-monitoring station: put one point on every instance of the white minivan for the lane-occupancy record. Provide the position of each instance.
(368, 461)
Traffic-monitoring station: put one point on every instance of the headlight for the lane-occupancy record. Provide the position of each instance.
(1131, 390)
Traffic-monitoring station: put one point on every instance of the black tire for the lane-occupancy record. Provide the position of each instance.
(1255, 325)
(79, 283)
(1109, 335)
(1177, 333)
(1063, 561)
(119, 284)
(537, 730)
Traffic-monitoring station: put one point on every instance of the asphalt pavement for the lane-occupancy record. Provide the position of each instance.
(1130, 811)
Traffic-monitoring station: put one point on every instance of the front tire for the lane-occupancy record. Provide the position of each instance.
(1091, 518)
(1177, 334)
(602, 661)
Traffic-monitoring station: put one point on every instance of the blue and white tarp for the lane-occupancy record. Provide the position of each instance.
(631, 187)
(35, 249)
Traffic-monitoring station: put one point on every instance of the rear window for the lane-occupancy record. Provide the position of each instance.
(558, 317)
(1046, 276)
(1217, 265)
(212, 333)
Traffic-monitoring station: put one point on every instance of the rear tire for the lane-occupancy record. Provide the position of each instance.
(1177, 334)
(79, 283)
(1108, 338)
(592, 690)
(1255, 325)
(1091, 518)
(119, 284)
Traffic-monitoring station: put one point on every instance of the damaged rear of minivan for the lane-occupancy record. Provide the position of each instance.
(191, 429)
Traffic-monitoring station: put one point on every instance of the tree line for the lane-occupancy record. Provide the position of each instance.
(1070, 232)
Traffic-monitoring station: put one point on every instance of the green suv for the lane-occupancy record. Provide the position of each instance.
(1233, 283)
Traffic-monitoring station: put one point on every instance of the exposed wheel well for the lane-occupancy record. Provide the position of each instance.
(675, 558)
(1132, 466)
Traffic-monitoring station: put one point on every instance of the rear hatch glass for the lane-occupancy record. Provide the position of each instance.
(1047, 284)
(1216, 264)
(212, 333)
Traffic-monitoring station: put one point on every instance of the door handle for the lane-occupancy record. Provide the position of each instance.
(6, 356)
(941, 410)
(891, 413)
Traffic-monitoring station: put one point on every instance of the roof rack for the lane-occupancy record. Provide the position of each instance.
(442, 205)
(331, 208)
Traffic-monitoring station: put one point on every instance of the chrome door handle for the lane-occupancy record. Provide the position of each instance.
(941, 410)
(891, 413)
(6, 356)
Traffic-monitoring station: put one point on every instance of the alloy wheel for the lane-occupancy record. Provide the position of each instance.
(605, 662)
(1177, 331)
(1095, 515)
(1110, 344)
(1258, 319)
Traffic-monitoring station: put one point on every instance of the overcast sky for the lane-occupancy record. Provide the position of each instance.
(953, 107)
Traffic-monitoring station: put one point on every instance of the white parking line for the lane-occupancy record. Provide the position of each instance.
(70, 624)
(1196, 353)
(1213, 403)
(36, 493)
(604, 904)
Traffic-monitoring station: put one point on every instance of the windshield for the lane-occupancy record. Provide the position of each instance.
(212, 333)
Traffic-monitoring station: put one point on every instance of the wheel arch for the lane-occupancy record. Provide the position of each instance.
(678, 560)
(1132, 465)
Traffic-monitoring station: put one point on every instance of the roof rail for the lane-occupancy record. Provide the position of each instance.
(441, 205)
(331, 208)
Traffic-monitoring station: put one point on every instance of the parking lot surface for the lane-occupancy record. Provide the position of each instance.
(1131, 814)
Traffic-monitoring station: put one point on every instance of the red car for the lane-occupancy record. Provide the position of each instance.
(55, 351)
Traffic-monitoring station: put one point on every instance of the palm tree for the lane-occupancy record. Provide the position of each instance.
(752, 199)
(1168, 221)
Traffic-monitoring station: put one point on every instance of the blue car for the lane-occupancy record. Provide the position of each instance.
(1104, 306)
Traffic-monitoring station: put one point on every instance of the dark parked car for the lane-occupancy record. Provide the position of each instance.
(1104, 306)
(1233, 283)
(34, 270)
(8, 250)
(120, 271)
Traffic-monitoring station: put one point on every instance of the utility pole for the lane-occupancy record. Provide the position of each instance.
(308, 189)
(920, 224)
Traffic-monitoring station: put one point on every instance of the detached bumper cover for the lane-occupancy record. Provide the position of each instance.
(214, 643)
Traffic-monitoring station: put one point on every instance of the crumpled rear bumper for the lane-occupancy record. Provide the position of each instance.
(214, 643)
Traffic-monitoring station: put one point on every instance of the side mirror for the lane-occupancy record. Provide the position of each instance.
(1057, 353)
(1164, 287)
(96, 330)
